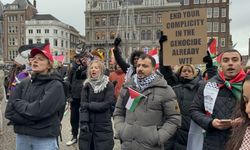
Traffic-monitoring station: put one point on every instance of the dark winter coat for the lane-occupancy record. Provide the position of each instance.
(185, 91)
(95, 111)
(76, 77)
(37, 105)
(225, 105)
(154, 120)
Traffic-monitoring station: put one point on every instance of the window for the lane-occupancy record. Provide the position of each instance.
(103, 23)
(55, 42)
(216, 12)
(38, 31)
(143, 19)
(209, 26)
(62, 33)
(103, 36)
(143, 35)
(196, 1)
(216, 1)
(55, 31)
(158, 18)
(97, 36)
(46, 31)
(215, 26)
(209, 1)
(13, 41)
(46, 40)
(67, 44)
(186, 2)
(112, 35)
(113, 21)
(209, 12)
(149, 36)
(30, 31)
(97, 21)
(223, 27)
(30, 41)
(222, 42)
(158, 34)
(38, 40)
(62, 43)
(223, 12)
(203, 1)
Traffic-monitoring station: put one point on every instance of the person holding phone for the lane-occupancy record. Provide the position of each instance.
(224, 91)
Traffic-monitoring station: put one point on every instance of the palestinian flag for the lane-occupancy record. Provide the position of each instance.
(154, 54)
(213, 51)
(134, 99)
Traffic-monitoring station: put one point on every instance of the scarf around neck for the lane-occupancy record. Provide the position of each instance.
(99, 84)
(235, 84)
(144, 83)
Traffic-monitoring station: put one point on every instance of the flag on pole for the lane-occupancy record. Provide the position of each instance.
(213, 51)
(134, 99)
(154, 53)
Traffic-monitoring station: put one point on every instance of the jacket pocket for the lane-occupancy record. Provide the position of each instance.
(148, 135)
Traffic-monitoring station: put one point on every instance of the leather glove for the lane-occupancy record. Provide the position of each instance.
(208, 60)
(84, 127)
(117, 41)
(163, 38)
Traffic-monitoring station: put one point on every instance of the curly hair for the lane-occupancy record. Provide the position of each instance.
(134, 54)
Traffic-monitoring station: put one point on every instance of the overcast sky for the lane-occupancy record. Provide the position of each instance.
(72, 13)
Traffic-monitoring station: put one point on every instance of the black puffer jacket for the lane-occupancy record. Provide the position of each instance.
(37, 105)
(223, 109)
(185, 91)
(98, 117)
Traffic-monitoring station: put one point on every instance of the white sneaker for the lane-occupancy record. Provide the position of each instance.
(72, 141)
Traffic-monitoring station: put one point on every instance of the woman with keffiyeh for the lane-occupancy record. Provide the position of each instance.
(95, 111)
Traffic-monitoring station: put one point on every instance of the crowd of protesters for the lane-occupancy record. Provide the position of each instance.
(152, 108)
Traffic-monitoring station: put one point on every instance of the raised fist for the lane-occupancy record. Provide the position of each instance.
(117, 41)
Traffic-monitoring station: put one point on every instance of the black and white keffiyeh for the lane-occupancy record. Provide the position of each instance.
(144, 83)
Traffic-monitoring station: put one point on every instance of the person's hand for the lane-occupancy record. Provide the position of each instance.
(117, 41)
(208, 60)
(221, 125)
(237, 121)
(84, 127)
(163, 38)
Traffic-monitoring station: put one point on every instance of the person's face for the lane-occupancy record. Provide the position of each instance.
(246, 96)
(187, 72)
(144, 68)
(40, 64)
(95, 71)
(231, 64)
(135, 60)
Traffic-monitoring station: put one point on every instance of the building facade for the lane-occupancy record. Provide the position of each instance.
(14, 16)
(107, 19)
(218, 21)
(44, 28)
(137, 22)
(1, 31)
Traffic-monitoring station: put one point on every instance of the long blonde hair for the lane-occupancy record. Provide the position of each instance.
(100, 64)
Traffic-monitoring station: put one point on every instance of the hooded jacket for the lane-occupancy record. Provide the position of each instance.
(37, 105)
(154, 120)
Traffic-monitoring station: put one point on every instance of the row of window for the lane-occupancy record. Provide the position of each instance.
(216, 27)
(215, 12)
(12, 54)
(14, 18)
(13, 41)
(47, 31)
(64, 44)
(186, 2)
(114, 20)
(145, 35)
(154, 2)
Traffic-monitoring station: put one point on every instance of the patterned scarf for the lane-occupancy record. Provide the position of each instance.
(246, 140)
(235, 84)
(98, 84)
(144, 83)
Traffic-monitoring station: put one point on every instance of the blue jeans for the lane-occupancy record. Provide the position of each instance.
(26, 142)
